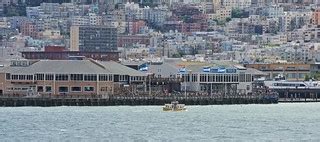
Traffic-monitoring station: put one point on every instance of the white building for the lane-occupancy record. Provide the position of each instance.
(237, 3)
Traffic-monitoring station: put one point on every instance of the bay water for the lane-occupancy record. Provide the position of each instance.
(274, 122)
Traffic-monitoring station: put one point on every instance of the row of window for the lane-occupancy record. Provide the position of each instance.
(218, 77)
(62, 77)
(123, 78)
(137, 78)
(65, 89)
(62, 89)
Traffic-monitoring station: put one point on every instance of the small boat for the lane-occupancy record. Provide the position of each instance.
(174, 106)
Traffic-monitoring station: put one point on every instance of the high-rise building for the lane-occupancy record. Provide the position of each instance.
(93, 39)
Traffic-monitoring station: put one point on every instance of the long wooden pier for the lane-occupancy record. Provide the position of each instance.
(130, 101)
(304, 100)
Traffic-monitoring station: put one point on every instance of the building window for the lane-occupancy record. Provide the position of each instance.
(90, 77)
(14, 77)
(242, 77)
(210, 78)
(104, 77)
(76, 89)
(202, 76)
(104, 89)
(228, 78)
(78, 77)
(39, 77)
(8, 76)
(194, 78)
(63, 89)
(22, 77)
(49, 76)
(63, 77)
(248, 78)
(219, 78)
(88, 88)
(110, 77)
(29, 77)
(48, 89)
(123, 77)
(40, 89)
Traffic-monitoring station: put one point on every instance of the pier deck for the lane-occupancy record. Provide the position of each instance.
(129, 101)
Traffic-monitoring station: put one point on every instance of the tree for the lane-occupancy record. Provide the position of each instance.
(228, 19)
(177, 55)
(239, 13)
(306, 78)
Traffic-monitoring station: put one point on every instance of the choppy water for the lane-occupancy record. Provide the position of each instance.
(278, 122)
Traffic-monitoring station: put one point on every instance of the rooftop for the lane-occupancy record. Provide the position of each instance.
(73, 67)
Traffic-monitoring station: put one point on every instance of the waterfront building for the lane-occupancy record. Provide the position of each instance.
(218, 79)
(294, 71)
(67, 77)
(206, 77)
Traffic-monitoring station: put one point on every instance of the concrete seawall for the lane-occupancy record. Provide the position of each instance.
(129, 101)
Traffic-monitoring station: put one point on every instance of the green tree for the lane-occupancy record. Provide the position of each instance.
(239, 13)
(306, 78)
(228, 19)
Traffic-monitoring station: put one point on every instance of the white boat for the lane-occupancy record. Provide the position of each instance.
(281, 83)
(174, 106)
(292, 84)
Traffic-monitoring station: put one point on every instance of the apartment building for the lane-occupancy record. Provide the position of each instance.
(237, 3)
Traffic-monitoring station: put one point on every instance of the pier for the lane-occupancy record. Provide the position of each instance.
(93, 100)
(298, 95)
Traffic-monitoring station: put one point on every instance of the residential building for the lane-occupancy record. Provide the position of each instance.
(129, 40)
(216, 5)
(29, 29)
(236, 3)
(136, 26)
(316, 17)
(273, 11)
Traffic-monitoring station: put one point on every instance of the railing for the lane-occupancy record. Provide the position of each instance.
(146, 95)
(83, 96)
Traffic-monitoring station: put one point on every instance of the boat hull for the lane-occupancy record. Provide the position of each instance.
(168, 109)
